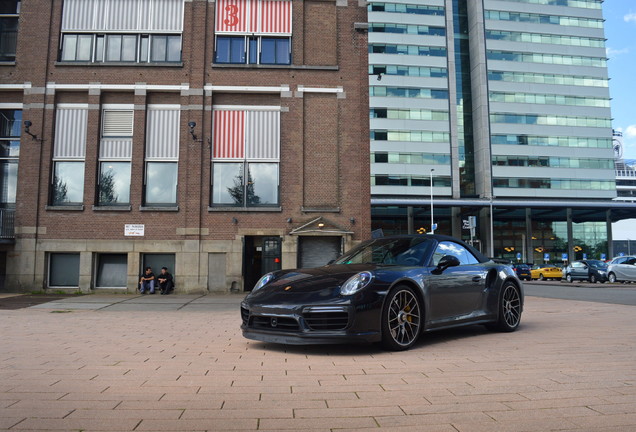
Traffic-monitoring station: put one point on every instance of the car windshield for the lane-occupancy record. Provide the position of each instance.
(597, 264)
(395, 251)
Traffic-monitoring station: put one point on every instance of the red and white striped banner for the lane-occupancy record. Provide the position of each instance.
(254, 16)
(229, 134)
(276, 16)
(233, 16)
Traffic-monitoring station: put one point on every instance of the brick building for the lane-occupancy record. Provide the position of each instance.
(220, 139)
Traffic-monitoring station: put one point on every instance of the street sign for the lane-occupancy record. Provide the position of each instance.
(564, 257)
(584, 256)
(135, 230)
(546, 257)
(465, 224)
(603, 257)
(518, 255)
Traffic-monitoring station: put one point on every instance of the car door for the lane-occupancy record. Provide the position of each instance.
(620, 268)
(630, 268)
(457, 291)
(579, 270)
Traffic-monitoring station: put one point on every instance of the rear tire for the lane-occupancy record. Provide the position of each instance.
(593, 279)
(509, 309)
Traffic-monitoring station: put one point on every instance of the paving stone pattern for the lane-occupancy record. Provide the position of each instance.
(570, 367)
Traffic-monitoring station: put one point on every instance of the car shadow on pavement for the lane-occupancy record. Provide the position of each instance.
(426, 340)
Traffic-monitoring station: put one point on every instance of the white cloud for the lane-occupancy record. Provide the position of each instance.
(630, 131)
(611, 52)
(630, 17)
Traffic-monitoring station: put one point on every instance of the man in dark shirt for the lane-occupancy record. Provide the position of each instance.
(165, 281)
(147, 282)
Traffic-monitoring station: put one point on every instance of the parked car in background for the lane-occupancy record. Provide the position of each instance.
(622, 269)
(546, 272)
(523, 271)
(590, 270)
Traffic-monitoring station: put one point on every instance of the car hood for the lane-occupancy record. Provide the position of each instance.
(311, 280)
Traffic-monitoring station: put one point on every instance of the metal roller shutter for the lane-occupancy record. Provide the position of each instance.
(318, 251)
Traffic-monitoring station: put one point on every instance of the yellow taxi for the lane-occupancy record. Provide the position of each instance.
(546, 272)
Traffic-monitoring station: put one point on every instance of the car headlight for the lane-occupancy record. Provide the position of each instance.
(355, 283)
(263, 281)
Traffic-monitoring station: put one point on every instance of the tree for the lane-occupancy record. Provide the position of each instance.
(107, 194)
(238, 191)
(60, 191)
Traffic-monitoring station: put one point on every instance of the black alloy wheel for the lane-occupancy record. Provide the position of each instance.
(509, 309)
(402, 319)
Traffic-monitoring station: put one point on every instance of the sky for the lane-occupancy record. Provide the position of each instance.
(620, 31)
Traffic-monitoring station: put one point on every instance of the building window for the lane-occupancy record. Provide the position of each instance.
(275, 50)
(68, 183)
(141, 31)
(115, 155)
(161, 183)
(245, 158)
(112, 271)
(64, 269)
(130, 48)
(114, 183)
(162, 155)
(69, 151)
(9, 15)
(253, 32)
(10, 123)
(230, 185)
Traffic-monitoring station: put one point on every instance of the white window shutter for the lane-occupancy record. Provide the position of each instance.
(117, 123)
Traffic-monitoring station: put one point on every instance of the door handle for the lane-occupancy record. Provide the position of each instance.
(476, 278)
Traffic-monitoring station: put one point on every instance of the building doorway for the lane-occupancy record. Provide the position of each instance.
(261, 255)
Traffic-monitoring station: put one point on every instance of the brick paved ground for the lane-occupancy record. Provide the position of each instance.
(570, 367)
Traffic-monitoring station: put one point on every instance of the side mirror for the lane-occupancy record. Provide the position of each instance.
(446, 262)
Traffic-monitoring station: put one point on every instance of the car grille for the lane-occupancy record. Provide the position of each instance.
(245, 315)
(337, 320)
(274, 323)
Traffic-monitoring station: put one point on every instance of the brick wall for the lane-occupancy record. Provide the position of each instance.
(324, 136)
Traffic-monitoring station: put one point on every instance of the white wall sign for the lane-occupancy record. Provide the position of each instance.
(134, 230)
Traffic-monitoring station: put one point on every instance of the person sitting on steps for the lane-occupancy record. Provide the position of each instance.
(165, 281)
(147, 282)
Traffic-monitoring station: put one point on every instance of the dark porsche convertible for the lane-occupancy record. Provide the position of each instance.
(386, 290)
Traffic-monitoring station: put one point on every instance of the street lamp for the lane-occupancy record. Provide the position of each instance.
(492, 228)
(432, 225)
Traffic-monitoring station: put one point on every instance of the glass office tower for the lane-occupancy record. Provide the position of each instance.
(504, 106)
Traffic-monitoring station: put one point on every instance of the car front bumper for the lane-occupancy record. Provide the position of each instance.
(322, 322)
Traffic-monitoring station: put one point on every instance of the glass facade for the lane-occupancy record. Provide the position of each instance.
(518, 96)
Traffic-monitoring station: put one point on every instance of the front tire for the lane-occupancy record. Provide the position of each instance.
(509, 309)
(612, 277)
(402, 319)
(541, 277)
(568, 278)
